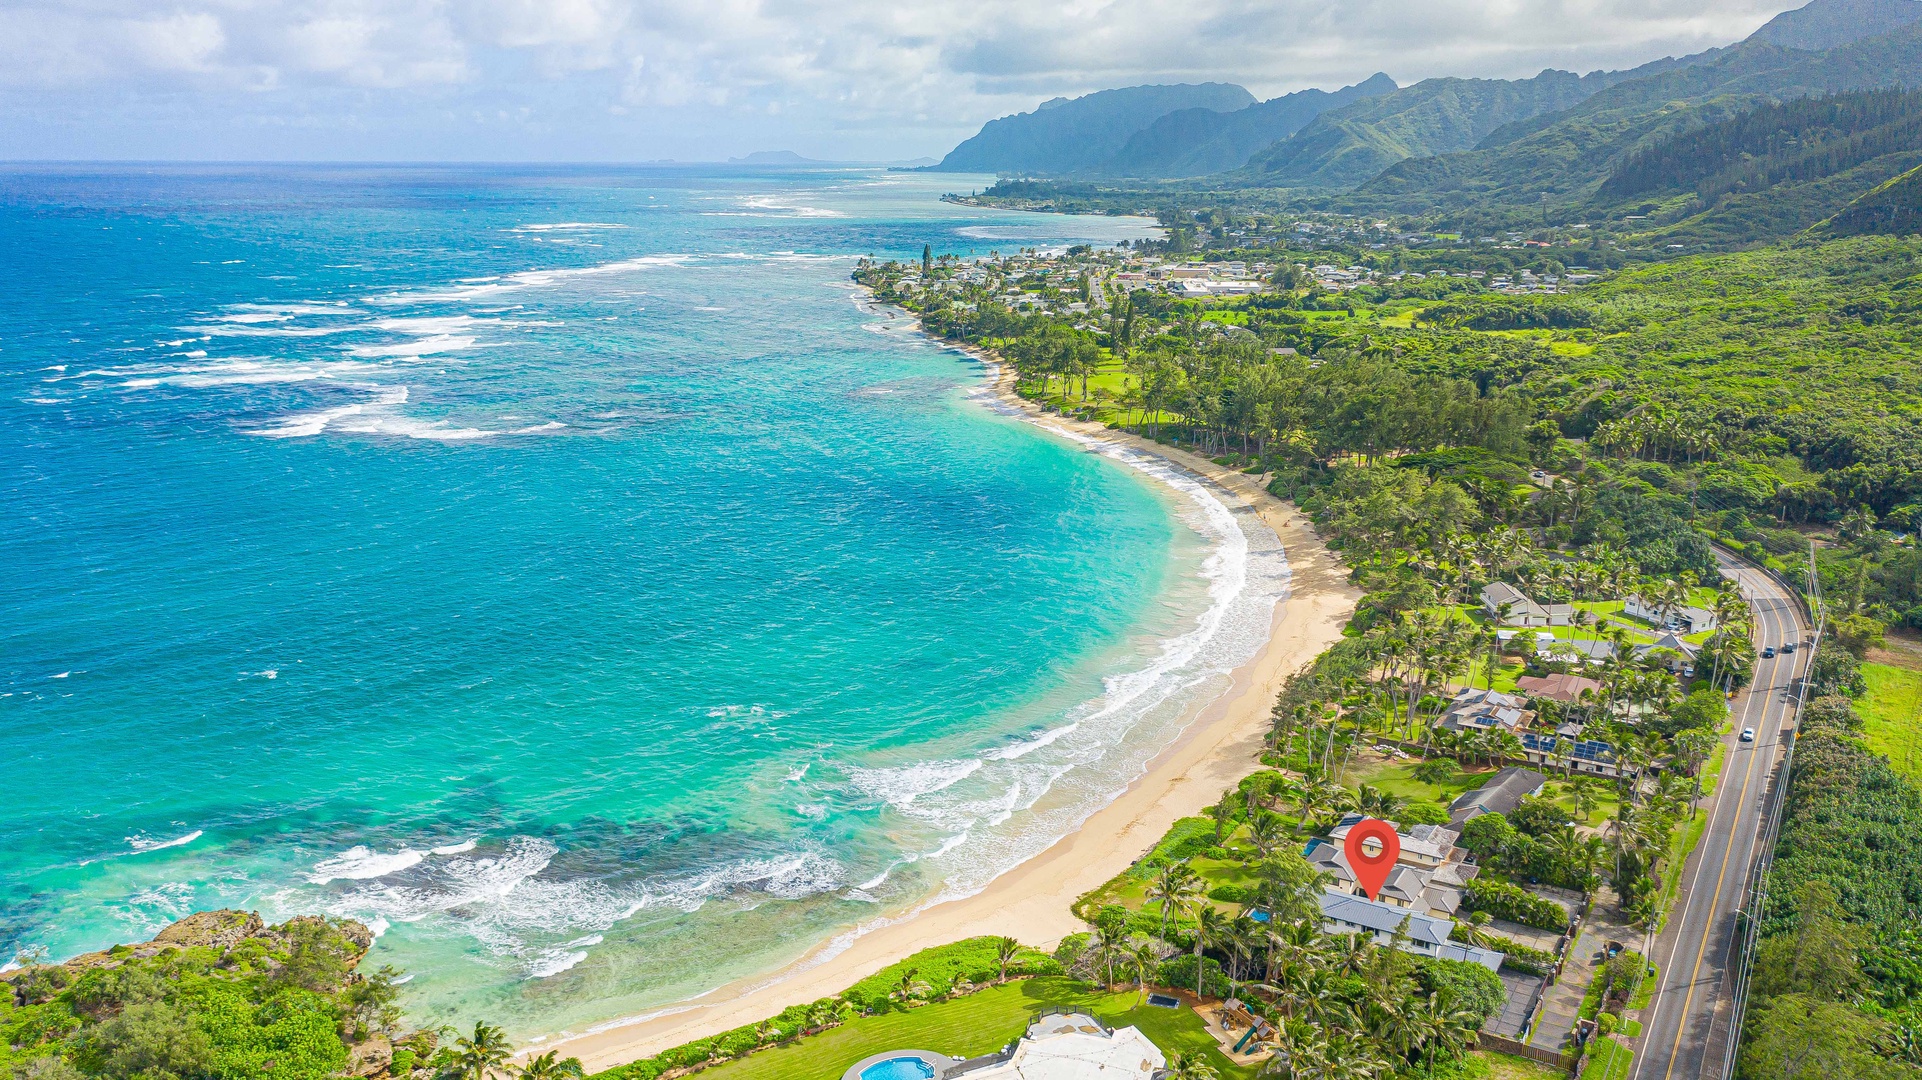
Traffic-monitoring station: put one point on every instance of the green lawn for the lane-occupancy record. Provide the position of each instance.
(1892, 711)
(976, 1024)
(1609, 1060)
(1607, 799)
(1494, 1066)
(1398, 778)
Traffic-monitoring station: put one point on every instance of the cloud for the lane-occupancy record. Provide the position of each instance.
(848, 69)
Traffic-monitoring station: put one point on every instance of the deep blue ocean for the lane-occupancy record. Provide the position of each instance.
(565, 571)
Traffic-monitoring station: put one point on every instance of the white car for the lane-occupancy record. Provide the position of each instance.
(1748, 734)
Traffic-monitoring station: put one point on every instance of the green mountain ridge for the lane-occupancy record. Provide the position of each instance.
(1568, 156)
(1062, 136)
(1197, 142)
(1893, 208)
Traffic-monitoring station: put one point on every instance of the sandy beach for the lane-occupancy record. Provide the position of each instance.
(1218, 747)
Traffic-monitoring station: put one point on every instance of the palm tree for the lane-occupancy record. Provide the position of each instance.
(481, 1055)
(1173, 887)
(1143, 959)
(1190, 1065)
(1211, 928)
(546, 1067)
(1005, 949)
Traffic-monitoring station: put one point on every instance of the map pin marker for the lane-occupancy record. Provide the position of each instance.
(1372, 870)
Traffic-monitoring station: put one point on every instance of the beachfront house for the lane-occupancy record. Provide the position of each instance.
(1573, 754)
(1060, 1045)
(1512, 607)
(1343, 913)
(1430, 874)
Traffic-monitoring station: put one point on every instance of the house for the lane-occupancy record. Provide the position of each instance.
(1430, 875)
(1566, 689)
(1065, 1045)
(1423, 846)
(1342, 913)
(1574, 755)
(1486, 710)
(1521, 611)
(1500, 795)
(1672, 642)
(1684, 619)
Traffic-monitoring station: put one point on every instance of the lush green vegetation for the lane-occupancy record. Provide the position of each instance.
(217, 997)
(968, 1026)
(1838, 976)
(1891, 709)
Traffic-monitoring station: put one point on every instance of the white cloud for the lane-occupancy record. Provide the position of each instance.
(928, 70)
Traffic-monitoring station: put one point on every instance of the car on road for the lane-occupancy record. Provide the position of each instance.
(1748, 734)
(1788, 646)
(1768, 652)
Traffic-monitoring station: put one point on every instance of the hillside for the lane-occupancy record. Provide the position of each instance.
(1196, 142)
(1894, 208)
(1063, 135)
(1829, 23)
(1346, 146)
(1569, 155)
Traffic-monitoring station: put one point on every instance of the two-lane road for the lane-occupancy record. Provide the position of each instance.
(1695, 950)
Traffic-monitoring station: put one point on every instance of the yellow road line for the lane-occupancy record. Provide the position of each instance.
(1728, 851)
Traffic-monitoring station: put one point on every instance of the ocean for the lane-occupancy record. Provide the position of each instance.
(565, 571)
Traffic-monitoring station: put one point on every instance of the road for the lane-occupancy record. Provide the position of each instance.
(1685, 1031)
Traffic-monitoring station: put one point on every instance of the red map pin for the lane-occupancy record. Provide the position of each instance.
(1372, 870)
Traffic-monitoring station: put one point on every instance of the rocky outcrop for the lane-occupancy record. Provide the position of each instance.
(220, 930)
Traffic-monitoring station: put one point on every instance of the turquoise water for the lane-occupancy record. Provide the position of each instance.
(563, 571)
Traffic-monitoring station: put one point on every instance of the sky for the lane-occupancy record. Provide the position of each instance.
(640, 80)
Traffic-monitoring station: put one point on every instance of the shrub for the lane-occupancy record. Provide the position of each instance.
(1231, 894)
(1511, 902)
(1469, 986)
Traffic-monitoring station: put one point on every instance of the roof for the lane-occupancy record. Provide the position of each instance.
(1083, 1054)
(1497, 593)
(1669, 641)
(1384, 918)
(1564, 687)
(1502, 793)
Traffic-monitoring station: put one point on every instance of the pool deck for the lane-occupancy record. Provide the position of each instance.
(938, 1062)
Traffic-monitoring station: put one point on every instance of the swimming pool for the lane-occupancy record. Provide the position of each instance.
(1164, 1001)
(901, 1068)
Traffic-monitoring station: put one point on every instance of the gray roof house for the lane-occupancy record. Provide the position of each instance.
(1500, 795)
(1521, 610)
(1343, 913)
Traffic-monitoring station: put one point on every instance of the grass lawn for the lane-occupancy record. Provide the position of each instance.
(1892, 710)
(1607, 799)
(1496, 1066)
(976, 1024)
(1610, 1060)
(1398, 778)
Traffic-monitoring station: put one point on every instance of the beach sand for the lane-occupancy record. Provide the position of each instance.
(1031, 902)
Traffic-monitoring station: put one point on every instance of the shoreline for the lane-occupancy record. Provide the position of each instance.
(1217, 746)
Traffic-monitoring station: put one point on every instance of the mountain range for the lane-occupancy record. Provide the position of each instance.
(1558, 134)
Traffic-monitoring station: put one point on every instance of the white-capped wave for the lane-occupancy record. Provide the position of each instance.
(360, 863)
(528, 279)
(900, 785)
(566, 226)
(455, 849)
(144, 843)
(428, 346)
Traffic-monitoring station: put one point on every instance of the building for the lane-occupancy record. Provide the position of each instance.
(1500, 795)
(1567, 689)
(1511, 606)
(1342, 913)
(1064, 1045)
(1486, 710)
(1430, 873)
(1672, 642)
(1574, 755)
(1684, 619)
